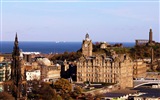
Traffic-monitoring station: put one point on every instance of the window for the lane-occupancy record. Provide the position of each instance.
(8, 87)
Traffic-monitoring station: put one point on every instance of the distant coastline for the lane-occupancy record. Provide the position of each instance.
(48, 47)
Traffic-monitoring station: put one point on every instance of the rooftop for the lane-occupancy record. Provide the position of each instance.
(119, 93)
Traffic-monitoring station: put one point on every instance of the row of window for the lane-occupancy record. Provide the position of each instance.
(99, 71)
(97, 63)
(100, 80)
(98, 75)
(93, 67)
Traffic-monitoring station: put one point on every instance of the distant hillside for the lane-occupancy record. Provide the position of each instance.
(145, 51)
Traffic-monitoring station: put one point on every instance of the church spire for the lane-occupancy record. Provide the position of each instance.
(16, 41)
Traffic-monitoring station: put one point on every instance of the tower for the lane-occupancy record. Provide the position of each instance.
(19, 83)
(150, 36)
(87, 46)
(15, 69)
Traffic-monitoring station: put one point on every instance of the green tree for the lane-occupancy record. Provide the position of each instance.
(67, 56)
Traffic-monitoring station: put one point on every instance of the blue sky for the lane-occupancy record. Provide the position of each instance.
(112, 21)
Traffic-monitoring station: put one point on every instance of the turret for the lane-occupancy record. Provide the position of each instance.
(87, 37)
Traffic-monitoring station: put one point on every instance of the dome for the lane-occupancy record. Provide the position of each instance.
(46, 61)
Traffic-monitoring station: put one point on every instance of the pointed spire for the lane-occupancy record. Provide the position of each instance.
(16, 40)
(16, 47)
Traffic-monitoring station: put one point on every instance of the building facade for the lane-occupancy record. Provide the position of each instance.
(51, 72)
(103, 69)
(33, 75)
(1, 58)
(5, 71)
(139, 69)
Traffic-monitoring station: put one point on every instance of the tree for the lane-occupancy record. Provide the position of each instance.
(59, 97)
(78, 90)
(47, 92)
(43, 91)
(67, 56)
(63, 85)
(6, 96)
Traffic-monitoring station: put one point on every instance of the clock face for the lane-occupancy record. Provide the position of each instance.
(86, 45)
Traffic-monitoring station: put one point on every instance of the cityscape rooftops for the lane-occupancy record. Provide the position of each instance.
(36, 53)
(3, 64)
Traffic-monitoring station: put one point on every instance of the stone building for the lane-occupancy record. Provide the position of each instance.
(103, 45)
(1, 58)
(139, 69)
(5, 57)
(103, 68)
(5, 71)
(87, 46)
(69, 70)
(51, 72)
(33, 75)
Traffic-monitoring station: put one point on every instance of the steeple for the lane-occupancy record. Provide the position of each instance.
(16, 47)
(16, 69)
(16, 39)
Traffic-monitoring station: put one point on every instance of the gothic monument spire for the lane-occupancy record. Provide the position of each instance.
(16, 47)
(16, 69)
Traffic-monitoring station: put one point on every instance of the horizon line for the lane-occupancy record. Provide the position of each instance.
(75, 41)
(85, 1)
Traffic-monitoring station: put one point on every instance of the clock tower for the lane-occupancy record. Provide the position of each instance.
(87, 46)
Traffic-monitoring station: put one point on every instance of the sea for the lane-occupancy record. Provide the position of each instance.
(48, 47)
